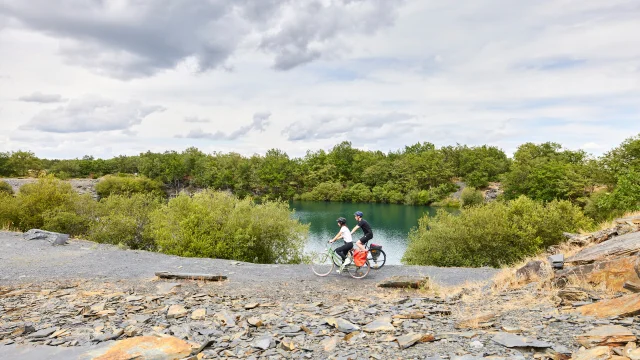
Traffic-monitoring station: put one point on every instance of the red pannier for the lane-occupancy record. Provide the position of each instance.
(359, 257)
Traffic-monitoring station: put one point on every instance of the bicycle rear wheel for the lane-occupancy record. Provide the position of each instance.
(358, 272)
(376, 259)
(321, 263)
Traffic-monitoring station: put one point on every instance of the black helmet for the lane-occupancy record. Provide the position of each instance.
(342, 220)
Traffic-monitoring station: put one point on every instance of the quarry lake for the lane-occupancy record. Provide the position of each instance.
(391, 223)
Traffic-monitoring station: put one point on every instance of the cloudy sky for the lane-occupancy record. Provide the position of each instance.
(111, 77)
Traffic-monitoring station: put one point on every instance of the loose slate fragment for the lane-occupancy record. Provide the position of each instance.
(190, 276)
(342, 325)
(515, 341)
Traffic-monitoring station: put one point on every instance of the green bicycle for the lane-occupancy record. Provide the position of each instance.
(323, 263)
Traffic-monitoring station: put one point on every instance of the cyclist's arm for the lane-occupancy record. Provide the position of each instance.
(339, 236)
(354, 229)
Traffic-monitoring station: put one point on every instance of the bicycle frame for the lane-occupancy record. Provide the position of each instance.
(334, 256)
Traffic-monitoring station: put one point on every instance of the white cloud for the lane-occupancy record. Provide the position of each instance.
(38, 97)
(259, 124)
(90, 114)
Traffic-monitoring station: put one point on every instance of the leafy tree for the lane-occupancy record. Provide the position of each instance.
(20, 162)
(546, 172)
(4, 162)
(621, 160)
(275, 174)
(342, 157)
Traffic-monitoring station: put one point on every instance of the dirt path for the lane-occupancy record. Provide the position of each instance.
(24, 261)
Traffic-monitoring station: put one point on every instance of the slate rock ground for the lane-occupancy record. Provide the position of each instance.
(270, 311)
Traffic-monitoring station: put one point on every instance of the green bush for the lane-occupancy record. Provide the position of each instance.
(42, 198)
(477, 179)
(471, 197)
(5, 188)
(494, 234)
(357, 193)
(326, 191)
(76, 219)
(9, 214)
(625, 197)
(123, 220)
(219, 225)
(127, 185)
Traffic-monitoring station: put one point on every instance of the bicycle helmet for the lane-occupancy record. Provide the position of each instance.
(342, 220)
(359, 213)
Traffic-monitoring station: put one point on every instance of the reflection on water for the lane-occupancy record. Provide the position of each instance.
(390, 223)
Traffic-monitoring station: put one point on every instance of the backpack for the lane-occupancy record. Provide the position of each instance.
(359, 257)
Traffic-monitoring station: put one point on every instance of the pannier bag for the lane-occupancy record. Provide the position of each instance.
(359, 257)
(375, 251)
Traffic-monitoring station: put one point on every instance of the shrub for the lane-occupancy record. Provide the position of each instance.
(9, 215)
(219, 225)
(326, 191)
(127, 185)
(471, 197)
(5, 188)
(123, 219)
(625, 197)
(477, 179)
(493, 234)
(357, 193)
(75, 219)
(42, 198)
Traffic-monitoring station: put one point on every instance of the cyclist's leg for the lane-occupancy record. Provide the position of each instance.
(363, 241)
(342, 250)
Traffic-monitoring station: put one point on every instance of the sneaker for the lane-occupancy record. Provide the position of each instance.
(338, 271)
(346, 262)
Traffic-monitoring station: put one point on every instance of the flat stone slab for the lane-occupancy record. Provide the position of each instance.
(609, 335)
(515, 341)
(621, 245)
(143, 347)
(342, 325)
(381, 324)
(53, 238)
(404, 282)
(628, 305)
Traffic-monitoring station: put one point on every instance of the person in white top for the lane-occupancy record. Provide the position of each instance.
(344, 234)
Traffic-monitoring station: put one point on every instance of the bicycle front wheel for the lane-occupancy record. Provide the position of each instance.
(358, 272)
(321, 263)
(376, 259)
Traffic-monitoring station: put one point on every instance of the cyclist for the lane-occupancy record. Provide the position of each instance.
(345, 235)
(366, 228)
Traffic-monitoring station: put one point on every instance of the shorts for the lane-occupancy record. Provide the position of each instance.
(365, 239)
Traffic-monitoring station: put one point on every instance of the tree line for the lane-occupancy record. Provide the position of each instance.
(418, 174)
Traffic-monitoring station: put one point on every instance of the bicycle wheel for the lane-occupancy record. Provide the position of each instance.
(321, 263)
(376, 259)
(358, 272)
